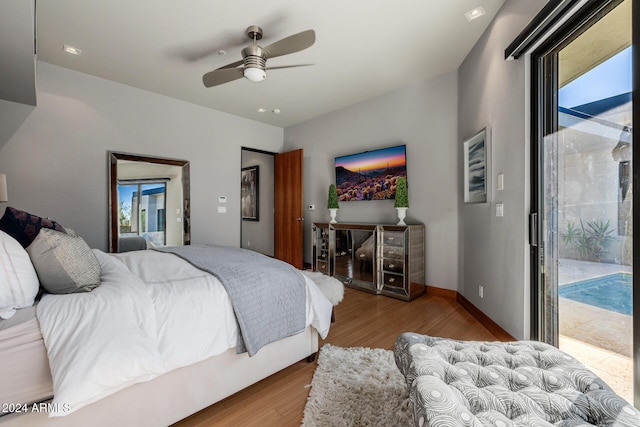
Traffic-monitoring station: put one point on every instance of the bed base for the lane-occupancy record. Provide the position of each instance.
(182, 392)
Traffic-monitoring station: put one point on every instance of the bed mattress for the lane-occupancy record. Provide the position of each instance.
(24, 370)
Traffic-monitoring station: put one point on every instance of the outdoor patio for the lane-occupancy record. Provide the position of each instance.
(601, 339)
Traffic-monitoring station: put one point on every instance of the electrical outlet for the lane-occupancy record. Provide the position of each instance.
(481, 291)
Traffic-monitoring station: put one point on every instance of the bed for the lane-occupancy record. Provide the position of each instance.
(528, 383)
(365, 252)
(156, 340)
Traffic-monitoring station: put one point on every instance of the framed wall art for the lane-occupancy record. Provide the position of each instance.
(250, 193)
(476, 168)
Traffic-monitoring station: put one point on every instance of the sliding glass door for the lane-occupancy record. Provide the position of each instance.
(583, 192)
(142, 210)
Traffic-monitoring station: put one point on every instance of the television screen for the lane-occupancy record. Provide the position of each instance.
(370, 175)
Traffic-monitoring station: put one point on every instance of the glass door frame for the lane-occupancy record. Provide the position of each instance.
(544, 120)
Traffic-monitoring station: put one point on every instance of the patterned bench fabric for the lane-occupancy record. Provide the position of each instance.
(523, 383)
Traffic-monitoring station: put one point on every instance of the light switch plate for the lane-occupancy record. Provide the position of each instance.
(222, 209)
(499, 209)
(500, 181)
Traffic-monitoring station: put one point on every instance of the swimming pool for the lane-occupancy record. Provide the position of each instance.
(611, 292)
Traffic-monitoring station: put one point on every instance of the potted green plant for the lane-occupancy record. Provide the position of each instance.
(332, 203)
(401, 202)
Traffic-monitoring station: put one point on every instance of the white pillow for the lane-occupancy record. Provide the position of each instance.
(19, 283)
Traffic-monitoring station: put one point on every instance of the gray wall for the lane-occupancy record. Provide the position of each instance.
(18, 60)
(56, 160)
(422, 116)
(258, 235)
(494, 252)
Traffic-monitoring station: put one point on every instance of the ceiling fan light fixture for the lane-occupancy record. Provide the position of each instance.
(255, 75)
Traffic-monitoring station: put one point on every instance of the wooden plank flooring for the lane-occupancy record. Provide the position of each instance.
(362, 319)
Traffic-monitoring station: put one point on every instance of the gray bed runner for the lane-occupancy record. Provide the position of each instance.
(268, 295)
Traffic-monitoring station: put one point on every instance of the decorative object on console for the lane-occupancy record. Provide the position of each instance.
(332, 203)
(476, 168)
(250, 193)
(401, 202)
(3, 188)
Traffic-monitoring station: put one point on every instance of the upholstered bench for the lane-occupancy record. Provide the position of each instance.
(524, 383)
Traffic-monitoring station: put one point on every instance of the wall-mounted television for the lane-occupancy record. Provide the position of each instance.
(370, 175)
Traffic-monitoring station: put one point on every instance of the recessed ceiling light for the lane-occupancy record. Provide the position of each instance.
(474, 13)
(72, 50)
(276, 111)
(261, 110)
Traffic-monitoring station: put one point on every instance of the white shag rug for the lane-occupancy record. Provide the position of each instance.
(357, 386)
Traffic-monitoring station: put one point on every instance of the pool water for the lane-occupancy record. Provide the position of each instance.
(612, 292)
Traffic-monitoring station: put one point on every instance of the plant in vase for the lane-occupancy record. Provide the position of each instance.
(332, 203)
(401, 202)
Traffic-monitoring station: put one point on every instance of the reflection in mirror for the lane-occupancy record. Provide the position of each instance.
(148, 202)
(354, 254)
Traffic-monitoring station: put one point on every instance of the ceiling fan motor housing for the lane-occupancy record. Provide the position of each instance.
(254, 32)
(254, 63)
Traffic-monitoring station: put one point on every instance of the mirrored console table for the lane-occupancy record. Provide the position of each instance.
(378, 258)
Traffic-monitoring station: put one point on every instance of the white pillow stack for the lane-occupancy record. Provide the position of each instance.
(19, 283)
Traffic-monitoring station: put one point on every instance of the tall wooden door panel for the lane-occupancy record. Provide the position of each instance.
(289, 220)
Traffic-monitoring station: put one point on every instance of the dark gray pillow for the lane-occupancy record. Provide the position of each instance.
(64, 263)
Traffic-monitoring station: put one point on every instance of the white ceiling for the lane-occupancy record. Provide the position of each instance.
(363, 48)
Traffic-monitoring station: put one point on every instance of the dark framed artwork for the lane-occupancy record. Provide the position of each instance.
(477, 161)
(250, 193)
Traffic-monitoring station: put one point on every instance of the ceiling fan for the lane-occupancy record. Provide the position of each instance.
(254, 58)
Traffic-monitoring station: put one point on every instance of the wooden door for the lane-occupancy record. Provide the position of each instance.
(288, 216)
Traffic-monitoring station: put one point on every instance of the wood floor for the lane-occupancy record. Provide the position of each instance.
(362, 319)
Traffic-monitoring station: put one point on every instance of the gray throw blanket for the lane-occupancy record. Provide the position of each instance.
(268, 295)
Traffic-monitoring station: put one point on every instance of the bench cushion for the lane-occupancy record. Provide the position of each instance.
(473, 383)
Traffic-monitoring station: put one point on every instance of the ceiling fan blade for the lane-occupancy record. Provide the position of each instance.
(232, 65)
(288, 66)
(227, 40)
(291, 44)
(222, 75)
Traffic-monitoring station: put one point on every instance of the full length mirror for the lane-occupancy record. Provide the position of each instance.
(148, 202)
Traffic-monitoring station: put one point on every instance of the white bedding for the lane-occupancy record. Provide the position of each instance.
(152, 313)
